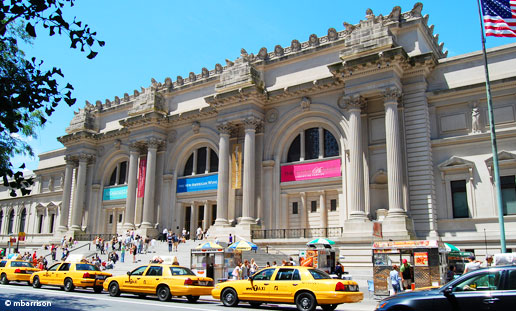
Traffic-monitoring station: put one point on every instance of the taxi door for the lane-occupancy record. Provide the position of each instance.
(49, 275)
(150, 280)
(132, 281)
(286, 283)
(62, 273)
(258, 287)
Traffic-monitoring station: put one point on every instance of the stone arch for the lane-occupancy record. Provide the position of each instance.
(106, 167)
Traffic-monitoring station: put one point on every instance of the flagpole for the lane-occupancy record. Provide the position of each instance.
(493, 138)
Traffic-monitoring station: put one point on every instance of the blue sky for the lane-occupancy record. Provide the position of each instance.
(160, 38)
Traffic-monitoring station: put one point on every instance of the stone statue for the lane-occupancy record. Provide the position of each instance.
(416, 10)
(369, 14)
(179, 80)
(295, 45)
(218, 68)
(395, 14)
(205, 72)
(313, 40)
(278, 50)
(192, 77)
(332, 34)
(475, 120)
(262, 54)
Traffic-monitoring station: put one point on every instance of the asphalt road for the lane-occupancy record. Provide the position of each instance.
(54, 299)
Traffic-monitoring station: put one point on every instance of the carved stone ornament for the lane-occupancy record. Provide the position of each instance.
(180, 80)
(218, 68)
(352, 102)
(475, 120)
(192, 77)
(205, 73)
(83, 120)
(117, 100)
(51, 184)
(252, 123)
(395, 14)
(332, 34)
(243, 53)
(416, 10)
(295, 45)
(154, 83)
(168, 83)
(391, 95)
(136, 93)
(369, 14)
(172, 136)
(313, 40)
(149, 102)
(278, 50)
(107, 103)
(225, 128)
(126, 97)
(196, 127)
(349, 28)
(263, 53)
(154, 143)
(305, 103)
(117, 144)
(272, 115)
(229, 63)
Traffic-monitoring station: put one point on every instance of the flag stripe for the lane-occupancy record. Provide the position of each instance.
(499, 17)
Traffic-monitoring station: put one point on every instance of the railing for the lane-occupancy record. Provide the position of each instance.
(73, 249)
(297, 233)
(91, 236)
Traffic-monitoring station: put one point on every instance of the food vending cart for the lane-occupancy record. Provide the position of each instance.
(215, 263)
(427, 258)
(322, 258)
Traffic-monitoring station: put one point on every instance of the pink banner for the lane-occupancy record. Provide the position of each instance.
(314, 170)
(142, 170)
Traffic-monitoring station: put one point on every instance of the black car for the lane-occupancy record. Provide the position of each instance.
(491, 288)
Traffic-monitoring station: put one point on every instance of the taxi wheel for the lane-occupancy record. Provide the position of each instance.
(229, 297)
(329, 307)
(255, 304)
(114, 289)
(36, 283)
(163, 293)
(192, 298)
(97, 289)
(306, 302)
(4, 279)
(68, 285)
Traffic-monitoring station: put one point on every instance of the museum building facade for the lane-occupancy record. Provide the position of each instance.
(370, 124)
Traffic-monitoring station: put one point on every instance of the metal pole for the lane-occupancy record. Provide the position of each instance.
(493, 139)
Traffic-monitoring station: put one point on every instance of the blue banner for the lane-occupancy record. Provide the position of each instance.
(115, 193)
(197, 183)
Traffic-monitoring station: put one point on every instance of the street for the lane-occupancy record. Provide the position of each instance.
(55, 299)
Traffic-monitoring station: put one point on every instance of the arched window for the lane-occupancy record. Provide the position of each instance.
(119, 174)
(22, 220)
(10, 224)
(307, 145)
(1, 220)
(203, 160)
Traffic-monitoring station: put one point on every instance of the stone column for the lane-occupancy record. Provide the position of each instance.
(321, 143)
(78, 202)
(268, 210)
(283, 219)
(302, 146)
(208, 160)
(356, 170)
(303, 211)
(324, 210)
(206, 219)
(131, 188)
(193, 220)
(393, 145)
(148, 200)
(194, 166)
(67, 192)
(249, 171)
(223, 180)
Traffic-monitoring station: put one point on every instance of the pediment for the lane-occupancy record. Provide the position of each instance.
(456, 163)
(504, 158)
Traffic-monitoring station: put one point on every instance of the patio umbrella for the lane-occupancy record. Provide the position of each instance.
(451, 248)
(321, 241)
(243, 246)
(209, 245)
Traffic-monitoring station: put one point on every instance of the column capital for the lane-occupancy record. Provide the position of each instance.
(86, 157)
(392, 95)
(225, 128)
(154, 143)
(252, 123)
(353, 102)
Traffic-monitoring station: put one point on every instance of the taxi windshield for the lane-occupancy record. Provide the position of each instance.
(318, 274)
(181, 271)
(86, 267)
(21, 264)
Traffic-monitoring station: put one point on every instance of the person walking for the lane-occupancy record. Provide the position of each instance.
(170, 240)
(394, 275)
(472, 265)
(133, 251)
(122, 253)
(406, 274)
(230, 239)
(164, 235)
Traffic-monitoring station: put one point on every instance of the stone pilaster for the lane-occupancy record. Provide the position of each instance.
(134, 154)
(324, 209)
(303, 211)
(148, 200)
(67, 193)
(268, 210)
(205, 219)
(78, 202)
(248, 203)
(193, 220)
(223, 181)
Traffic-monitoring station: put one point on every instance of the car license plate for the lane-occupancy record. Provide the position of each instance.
(100, 277)
(29, 272)
(203, 283)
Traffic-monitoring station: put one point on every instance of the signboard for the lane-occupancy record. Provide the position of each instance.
(12, 239)
(405, 244)
(142, 170)
(115, 193)
(236, 166)
(197, 183)
(377, 229)
(21, 236)
(313, 170)
(421, 259)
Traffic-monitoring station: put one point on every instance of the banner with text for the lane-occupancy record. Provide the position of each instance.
(142, 170)
(114, 193)
(197, 183)
(314, 170)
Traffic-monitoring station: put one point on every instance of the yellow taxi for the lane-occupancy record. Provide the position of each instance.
(304, 286)
(70, 275)
(162, 280)
(16, 270)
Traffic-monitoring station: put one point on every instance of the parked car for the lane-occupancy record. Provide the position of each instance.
(304, 286)
(491, 288)
(16, 270)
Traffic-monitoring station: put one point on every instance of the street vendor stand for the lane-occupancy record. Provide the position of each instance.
(459, 260)
(320, 257)
(213, 261)
(428, 259)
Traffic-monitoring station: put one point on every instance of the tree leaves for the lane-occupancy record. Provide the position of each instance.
(30, 30)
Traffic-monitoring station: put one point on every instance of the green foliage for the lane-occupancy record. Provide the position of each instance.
(29, 94)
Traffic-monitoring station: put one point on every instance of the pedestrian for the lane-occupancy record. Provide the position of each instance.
(164, 235)
(472, 265)
(230, 239)
(274, 264)
(175, 241)
(450, 274)
(339, 270)
(406, 274)
(488, 262)
(199, 233)
(170, 240)
(122, 253)
(54, 251)
(237, 272)
(253, 267)
(133, 251)
(394, 275)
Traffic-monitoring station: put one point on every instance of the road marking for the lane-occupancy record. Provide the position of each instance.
(132, 301)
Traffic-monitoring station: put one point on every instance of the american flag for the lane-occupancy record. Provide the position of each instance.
(499, 17)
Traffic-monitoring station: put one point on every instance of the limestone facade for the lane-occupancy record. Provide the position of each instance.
(323, 137)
